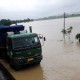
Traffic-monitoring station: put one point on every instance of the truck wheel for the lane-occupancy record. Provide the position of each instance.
(8, 59)
(12, 66)
(37, 62)
(15, 67)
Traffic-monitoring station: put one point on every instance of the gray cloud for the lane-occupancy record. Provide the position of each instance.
(39, 8)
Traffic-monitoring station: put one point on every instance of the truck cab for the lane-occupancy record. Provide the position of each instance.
(23, 49)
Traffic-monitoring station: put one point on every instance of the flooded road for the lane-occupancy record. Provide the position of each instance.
(31, 73)
(61, 59)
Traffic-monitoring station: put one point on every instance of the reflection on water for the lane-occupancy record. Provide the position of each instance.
(61, 59)
(27, 73)
(33, 73)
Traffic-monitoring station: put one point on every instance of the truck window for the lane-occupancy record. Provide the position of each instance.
(25, 41)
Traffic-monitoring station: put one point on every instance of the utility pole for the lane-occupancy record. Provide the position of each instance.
(64, 26)
(64, 21)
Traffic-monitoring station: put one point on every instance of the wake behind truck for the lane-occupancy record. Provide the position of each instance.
(19, 48)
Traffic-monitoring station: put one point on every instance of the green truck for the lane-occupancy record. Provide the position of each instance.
(23, 49)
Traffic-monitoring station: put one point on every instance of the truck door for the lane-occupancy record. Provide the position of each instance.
(9, 48)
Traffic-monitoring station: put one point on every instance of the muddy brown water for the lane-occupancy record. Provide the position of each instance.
(61, 59)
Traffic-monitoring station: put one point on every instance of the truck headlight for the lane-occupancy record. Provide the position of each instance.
(19, 58)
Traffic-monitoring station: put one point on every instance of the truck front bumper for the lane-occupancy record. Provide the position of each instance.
(30, 60)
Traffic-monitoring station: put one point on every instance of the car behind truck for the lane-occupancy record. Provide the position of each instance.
(19, 48)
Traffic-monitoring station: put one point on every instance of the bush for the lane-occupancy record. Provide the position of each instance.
(5, 22)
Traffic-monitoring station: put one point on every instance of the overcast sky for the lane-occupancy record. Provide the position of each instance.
(22, 9)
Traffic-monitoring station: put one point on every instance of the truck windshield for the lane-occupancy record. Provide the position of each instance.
(25, 41)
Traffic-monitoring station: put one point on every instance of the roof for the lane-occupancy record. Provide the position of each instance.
(22, 35)
(11, 28)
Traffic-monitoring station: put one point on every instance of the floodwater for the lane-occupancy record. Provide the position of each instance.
(61, 59)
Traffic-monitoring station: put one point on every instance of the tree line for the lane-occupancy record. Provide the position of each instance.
(8, 22)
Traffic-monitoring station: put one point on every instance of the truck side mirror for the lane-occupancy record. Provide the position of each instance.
(40, 37)
(44, 39)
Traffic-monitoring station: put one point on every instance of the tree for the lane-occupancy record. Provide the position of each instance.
(64, 31)
(78, 36)
(67, 32)
(5, 22)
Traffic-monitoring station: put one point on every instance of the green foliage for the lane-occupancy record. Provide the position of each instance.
(78, 36)
(24, 20)
(5, 22)
(64, 31)
(67, 32)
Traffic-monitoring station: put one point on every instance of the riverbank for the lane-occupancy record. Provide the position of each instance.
(4, 73)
